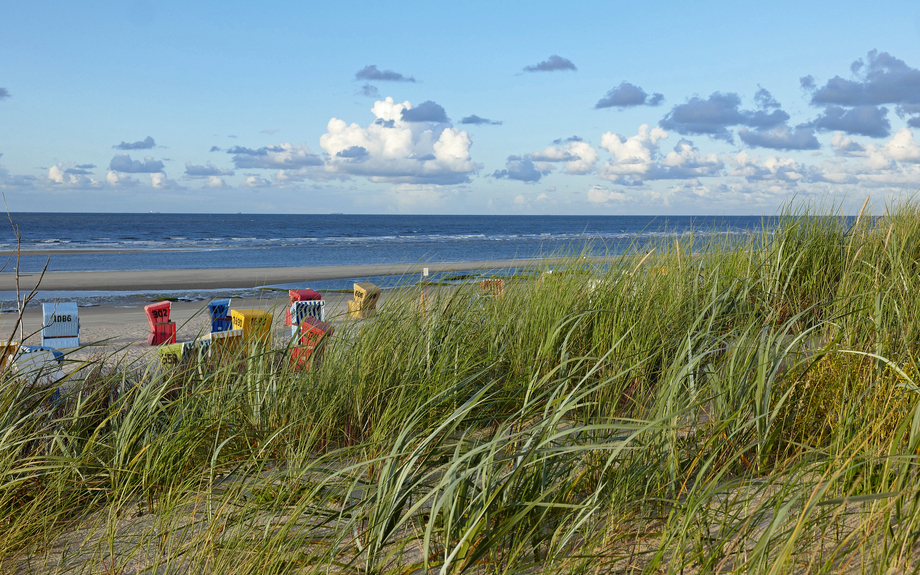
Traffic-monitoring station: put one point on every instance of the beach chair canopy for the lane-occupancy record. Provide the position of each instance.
(157, 312)
(306, 294)
(219, 308)
(60, 325)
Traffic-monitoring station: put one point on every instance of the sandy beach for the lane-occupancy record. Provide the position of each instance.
(116, 325)
(120, 324)
(124, 326)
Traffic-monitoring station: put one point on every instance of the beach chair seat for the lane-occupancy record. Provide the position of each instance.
(60, 325)
(58, 354)
(357, 311)
(226, 346)
(162, 333)
(314, 334)
(198, 349)
(220, 315)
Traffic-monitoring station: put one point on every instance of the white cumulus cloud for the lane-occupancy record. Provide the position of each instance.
(774, 170)
(59, 176)
(392, 150)
(217, 183)
(579, 158)
(846, 146)
(633, 157)
(602, 195)
(256, 182)
(159, 181)
(686, 161)
(120, 180)
(902, 147)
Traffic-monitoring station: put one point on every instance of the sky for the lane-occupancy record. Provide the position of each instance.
(458, 108)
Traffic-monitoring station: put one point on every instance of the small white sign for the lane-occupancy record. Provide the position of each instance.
(425, 272)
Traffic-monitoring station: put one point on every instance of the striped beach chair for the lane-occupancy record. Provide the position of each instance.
(296, 295)
(60, 325)
(301, 310)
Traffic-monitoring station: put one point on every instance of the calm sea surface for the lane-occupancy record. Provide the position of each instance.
(185, 241)
(97, 242)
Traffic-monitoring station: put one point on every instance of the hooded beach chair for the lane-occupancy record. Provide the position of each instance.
(60, 325)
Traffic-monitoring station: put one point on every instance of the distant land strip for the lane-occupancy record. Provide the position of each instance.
(92, 251)
(241, 278)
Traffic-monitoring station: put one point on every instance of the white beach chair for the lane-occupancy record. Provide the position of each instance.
(38, 366)
(60, 325)
(301, 310)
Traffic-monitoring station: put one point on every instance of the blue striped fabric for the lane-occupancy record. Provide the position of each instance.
(198, 347)
(303, 309)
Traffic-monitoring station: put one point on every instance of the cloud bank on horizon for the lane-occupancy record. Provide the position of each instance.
(751, 150)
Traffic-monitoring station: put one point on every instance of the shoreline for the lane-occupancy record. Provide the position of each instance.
(241, 278)
(91, 251)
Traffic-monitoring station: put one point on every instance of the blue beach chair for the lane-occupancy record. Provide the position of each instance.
(220, 315)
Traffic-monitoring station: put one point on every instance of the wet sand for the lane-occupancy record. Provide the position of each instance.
(233, 278)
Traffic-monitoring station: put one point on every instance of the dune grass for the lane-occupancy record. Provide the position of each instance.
(720, 406)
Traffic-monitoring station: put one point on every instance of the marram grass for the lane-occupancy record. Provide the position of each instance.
(734, 405)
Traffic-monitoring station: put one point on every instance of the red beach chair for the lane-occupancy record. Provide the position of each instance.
(495, 286)
(161, 329)
(312, 343)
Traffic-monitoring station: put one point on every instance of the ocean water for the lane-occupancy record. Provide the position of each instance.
(95, 242)
(186, 241)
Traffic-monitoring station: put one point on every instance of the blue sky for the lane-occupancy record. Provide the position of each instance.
(472, 108)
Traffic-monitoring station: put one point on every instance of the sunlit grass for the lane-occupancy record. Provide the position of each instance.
(733, 405)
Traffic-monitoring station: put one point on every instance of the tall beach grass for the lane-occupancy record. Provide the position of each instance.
(697, 406)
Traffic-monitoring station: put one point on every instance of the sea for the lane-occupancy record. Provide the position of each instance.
(152, 241)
